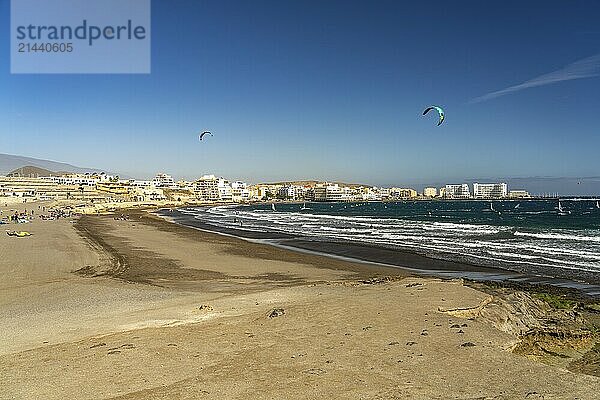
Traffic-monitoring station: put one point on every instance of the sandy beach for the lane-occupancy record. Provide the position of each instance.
(102, 308)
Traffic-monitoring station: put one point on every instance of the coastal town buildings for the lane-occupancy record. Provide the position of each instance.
(225, 190)
(288, 192)
(210, 188)
(369, 194)
(319, 193)
(490, 190)
(430, 192)
(240, 192)
(460, 191)
(139, 183)
(519, 194)
(113, 187)
(22, 187)
(260, 192)
(402, 193)
(163, 180)
(332, 192)
(207, 188)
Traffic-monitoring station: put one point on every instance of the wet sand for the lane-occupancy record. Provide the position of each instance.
(410, 262)
(145, 309)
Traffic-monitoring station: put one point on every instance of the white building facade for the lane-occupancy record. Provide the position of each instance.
(163, 181)
(430, 192)
(207, 188)
(490, 190)
(460, 191)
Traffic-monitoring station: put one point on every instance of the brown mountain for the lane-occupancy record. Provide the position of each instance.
(30, 171)
(9, 162)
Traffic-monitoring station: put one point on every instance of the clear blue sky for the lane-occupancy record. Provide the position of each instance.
(326, 89)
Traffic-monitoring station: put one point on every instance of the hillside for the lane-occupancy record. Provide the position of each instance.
(31, 171)
(10, 163)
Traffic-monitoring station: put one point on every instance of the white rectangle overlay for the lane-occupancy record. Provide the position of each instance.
(80, 37)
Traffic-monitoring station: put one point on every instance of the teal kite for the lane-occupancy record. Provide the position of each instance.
(439, 110)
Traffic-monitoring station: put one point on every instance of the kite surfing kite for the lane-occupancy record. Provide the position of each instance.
(439, 110)
(203, 134)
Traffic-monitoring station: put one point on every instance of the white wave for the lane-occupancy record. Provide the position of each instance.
(555, 249)
(559, 236)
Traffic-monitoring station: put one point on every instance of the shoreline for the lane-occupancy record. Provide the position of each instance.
(410, 263)
(133, 306)
(518, 293)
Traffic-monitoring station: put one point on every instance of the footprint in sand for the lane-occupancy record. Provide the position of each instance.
(315, 371)
(115, 350)
(534, 395)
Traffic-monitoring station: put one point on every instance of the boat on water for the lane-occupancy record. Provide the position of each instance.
(273, 207)
(304, 207)
(597, 204)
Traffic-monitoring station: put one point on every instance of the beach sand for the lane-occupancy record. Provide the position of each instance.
(99, 308)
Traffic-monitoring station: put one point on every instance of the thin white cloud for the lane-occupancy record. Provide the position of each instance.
(584, 68)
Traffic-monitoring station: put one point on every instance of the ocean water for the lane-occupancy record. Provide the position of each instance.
(530, 236)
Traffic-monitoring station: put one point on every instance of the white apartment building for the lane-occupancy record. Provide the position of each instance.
(287, 192)
(79, 179)
(138, 183)
(239, 191)
(293, 192)
(64, 180)
(385, 193)
(371, 194)
(519, 194)
(460, 191)
(333, 193)
(325, 192)
(163, 181)
(430, 192)
(225, 191)
(402, 193)
(207, 188)
(490, 190)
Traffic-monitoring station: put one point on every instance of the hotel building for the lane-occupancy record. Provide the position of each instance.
(430, 192)
(490, 190)
(460, 191)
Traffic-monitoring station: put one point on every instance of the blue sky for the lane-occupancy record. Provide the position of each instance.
(327, 90)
